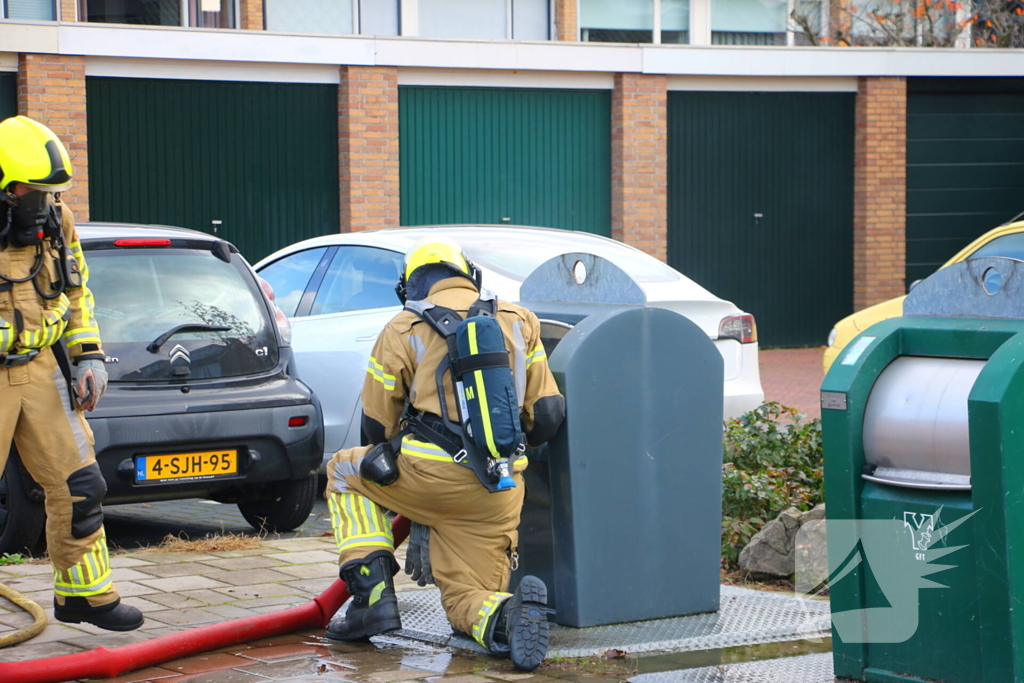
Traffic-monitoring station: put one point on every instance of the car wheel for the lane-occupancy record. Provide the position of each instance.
(287, 510)
(22, 521)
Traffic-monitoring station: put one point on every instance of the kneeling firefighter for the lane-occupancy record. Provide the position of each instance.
(458, 386)
(45, 298)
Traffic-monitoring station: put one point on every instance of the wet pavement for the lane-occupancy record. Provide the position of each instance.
(179, 591)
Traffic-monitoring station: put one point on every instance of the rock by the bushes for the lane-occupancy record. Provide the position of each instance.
(771, 550)
(815, 513)
(793, 542)
(811, 556)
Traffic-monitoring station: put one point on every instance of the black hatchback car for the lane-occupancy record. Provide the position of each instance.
(203, 399)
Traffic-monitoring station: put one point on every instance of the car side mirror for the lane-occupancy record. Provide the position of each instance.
(913, 284)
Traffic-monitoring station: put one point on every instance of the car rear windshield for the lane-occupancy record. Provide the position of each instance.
(515, 253)
(141, 294)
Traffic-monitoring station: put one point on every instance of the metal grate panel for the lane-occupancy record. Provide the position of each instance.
(747, 617)
(806, 669)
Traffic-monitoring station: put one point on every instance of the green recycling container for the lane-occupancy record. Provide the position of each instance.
(923, 428)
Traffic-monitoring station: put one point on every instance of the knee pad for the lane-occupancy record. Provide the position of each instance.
(87, 514)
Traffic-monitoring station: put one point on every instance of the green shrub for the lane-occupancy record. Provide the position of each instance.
(772, 461)
(15, 558)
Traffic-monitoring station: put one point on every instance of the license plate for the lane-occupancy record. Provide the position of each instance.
(155, 469)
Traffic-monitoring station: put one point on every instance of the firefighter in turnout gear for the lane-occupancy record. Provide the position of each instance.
(416, 465)
(45, 300)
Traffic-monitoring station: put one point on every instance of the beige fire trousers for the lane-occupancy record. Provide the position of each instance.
(473, 533)
(55, 444)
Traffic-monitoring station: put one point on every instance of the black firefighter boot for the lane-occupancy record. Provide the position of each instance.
(113, 617)
(374, 607)
(520, 628)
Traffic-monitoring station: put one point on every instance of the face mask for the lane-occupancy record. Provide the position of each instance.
(30, 219)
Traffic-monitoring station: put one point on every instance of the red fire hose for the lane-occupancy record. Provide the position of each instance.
(104, 663)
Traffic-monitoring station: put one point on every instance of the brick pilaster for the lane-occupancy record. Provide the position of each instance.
(880, 191)
(51, 90)
(368, 145)
(252, 15)
(68, 10)
(640, 162)
(567, 20)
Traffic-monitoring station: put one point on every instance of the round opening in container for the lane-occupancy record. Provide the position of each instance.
(992, 281)
(579, 272)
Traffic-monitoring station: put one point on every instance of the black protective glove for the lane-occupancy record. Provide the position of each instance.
(417, 554)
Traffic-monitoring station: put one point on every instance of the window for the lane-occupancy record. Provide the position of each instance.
(675, 21)
(145, 293)
(359, 278)
(1007, 246)
(211, 13)
(205, 13)
(617, 21)
(289, 276)
(749, 22)
(635, 21)
(31, 10)
(530, 19)
(336, 17)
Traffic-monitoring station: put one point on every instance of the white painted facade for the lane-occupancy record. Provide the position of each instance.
(227, 54)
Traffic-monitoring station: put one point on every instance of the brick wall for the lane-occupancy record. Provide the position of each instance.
(51, 90)
(68, 10)
(368, 145)
(880, 196)
(567, 24)
(252, 15)
(640, 162)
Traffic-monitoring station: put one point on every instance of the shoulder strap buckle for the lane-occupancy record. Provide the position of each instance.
(460, 456)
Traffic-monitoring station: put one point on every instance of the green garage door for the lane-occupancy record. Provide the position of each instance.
(8, 95)
(760, 205)
(494, 155)
(262, 158)
(965, 164)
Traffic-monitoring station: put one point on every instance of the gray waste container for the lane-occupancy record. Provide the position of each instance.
(623, 510)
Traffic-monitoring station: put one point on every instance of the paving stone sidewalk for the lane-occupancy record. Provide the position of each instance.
(178, 591)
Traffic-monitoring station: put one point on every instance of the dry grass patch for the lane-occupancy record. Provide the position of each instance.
(213, 543)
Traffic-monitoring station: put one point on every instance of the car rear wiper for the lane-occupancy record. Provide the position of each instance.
(155, 345)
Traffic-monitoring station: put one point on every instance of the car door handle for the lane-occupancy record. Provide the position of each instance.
(372, 337)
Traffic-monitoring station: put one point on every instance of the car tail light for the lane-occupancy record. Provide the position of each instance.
(298, 421)
(742, 328)
(267, 289)
(142, 242)
(284, 325)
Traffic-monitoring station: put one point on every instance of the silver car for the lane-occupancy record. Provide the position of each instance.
(338, 292)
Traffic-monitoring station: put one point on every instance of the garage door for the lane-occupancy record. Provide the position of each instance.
(761, 205)
(965, 164)
(261, 158)
(497, 155)
(8, 95)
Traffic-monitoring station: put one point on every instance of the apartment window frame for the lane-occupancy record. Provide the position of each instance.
(409, 12)
(184, 15)
(656, 24)
(5, 11)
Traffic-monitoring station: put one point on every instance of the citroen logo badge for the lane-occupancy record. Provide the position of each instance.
(180, 352)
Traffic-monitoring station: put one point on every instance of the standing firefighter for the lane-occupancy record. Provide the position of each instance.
(44, 298)
(458, 385)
